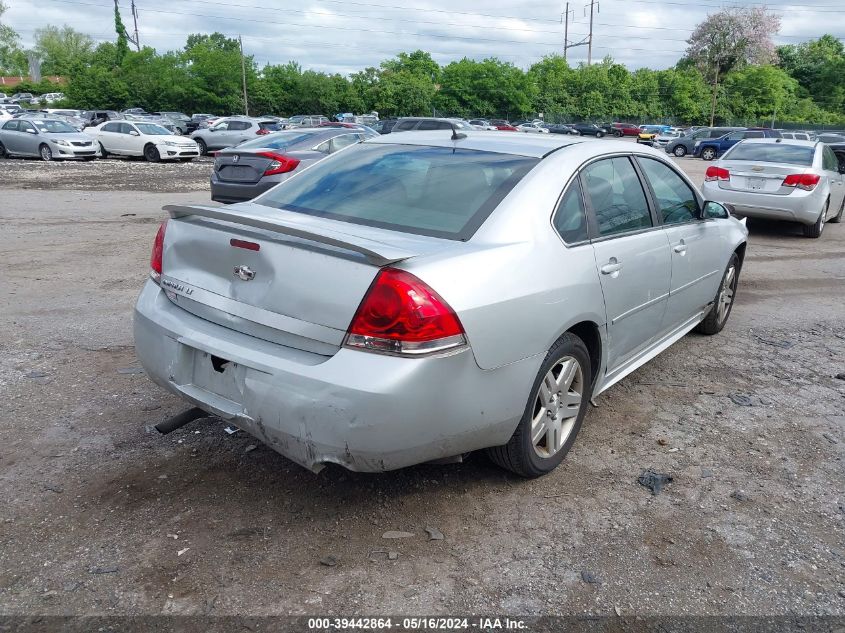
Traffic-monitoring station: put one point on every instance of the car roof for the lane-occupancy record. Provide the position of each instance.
(537, 145)
(781, 141)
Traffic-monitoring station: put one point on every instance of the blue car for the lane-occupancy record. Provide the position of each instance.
(712, 148)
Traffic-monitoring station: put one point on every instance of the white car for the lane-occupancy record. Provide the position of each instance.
(53, 97)
(149, 140)
(532, 128)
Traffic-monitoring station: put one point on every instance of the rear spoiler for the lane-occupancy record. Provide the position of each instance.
(377, 253)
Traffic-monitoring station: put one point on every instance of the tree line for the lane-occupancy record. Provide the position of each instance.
(731, 71)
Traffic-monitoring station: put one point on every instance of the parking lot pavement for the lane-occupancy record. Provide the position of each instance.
(100, 515)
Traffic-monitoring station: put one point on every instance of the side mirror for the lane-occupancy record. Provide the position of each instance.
(31, 131)
(134, 133)
(716, 210)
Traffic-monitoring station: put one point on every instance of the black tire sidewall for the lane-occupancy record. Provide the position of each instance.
(3, 153)
(567, 345)
(151, 154)
(203, 147)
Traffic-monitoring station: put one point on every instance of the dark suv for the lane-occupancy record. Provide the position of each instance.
(686, 144)
(91, 118)
(710, 149)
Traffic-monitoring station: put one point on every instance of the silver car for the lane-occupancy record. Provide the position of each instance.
(48, 139)
(228, 132)
(421, 295)
(780, 179)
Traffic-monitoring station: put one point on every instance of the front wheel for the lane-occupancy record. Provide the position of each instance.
(151, 154)
(715, 320)
(552, 418)
(617, 134)
(46, 153)
(203, 147)
(103, 152)
(599, 134)
(708, 153)
(680, 151)
(816, 230)
(2, 151)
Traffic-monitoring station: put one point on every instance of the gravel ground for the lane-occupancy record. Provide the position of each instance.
(98, 515)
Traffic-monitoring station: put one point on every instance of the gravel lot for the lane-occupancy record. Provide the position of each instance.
(98, 515)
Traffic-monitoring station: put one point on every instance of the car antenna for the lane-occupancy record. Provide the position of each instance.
(456, 136)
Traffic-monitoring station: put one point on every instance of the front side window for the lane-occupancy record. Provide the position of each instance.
(151, 129)
(52, 126)
(675, 198)
(339, 142)
(126, 128)
(736, 136)
(570, 221)
(437, 191)
(26, 126)
(616, 196)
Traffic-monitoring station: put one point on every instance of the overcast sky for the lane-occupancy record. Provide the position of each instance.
(344, 36)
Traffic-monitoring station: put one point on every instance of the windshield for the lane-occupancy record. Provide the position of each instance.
(772, 153)
(437, 191)
(152, 129)
(53, 127)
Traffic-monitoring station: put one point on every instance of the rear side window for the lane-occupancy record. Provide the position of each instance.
(111, 127)
(829, 160)
(239, 125)
(616, 196)
(280, 140)
(676, 199)
(436, 191)
(571, 219)
(11, 125)
(754, 135)
(772, 153)
(404, 125)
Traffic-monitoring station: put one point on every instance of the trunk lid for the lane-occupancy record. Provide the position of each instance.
(759, 177)
(237, 166)
(301, 287)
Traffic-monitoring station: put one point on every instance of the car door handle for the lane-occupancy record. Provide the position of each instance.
(680, 249)
(613, 266)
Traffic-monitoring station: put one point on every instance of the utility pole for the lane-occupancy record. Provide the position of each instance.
(135, 19)
(566, 30)
(593, 4)
(243, 74)
(715, 91)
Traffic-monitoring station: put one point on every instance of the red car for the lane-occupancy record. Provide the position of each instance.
(503, 126)
(625, 129)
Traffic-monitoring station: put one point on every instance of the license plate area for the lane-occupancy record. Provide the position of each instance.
(755, 184)
(218, 375)
(237, 172)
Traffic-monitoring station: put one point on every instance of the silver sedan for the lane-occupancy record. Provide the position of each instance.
(422, 295)
(48, 139)
(780, 179)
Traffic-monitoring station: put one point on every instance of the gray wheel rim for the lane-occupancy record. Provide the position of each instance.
(708, 154)
(46, 154)
(556, 406)
(726, 294)
(680, 151)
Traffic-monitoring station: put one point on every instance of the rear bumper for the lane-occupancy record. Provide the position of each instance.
(366, 412)
(798, 206)
(231, 192)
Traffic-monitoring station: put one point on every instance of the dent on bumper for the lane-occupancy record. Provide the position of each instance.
(364, 411)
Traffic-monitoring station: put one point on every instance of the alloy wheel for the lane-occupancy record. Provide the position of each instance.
(726, 294)
(46, 153)
(680, 151)
(556, 406)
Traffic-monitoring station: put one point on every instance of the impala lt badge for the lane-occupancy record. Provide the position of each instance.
(244, 273)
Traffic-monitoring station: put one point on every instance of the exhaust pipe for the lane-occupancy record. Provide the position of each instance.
(180, 420)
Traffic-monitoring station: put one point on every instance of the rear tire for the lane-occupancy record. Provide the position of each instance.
(545, 433)
(815, 230)
(680, 151)
(617, 134)
(708, 153)
(716, 319)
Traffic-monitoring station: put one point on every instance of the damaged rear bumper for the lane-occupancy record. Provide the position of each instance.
(364, 411)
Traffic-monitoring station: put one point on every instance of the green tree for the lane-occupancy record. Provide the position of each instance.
(214, 68)
(758, 94)
(553, 79)
(62, 50)
(12, 59)
(485, 88)
(819, 66)
(122, 46)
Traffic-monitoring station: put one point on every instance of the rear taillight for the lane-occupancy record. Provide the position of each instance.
(280, 165)
(261, 131)
(157, 254)
(400, 314)
(807, 182)
(716, 173)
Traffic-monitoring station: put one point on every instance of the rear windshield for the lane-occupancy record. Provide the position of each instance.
(269, 125)
(279, 140)
(772, 153)
(436, 191)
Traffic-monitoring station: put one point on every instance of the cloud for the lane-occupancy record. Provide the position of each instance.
(346, 36)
